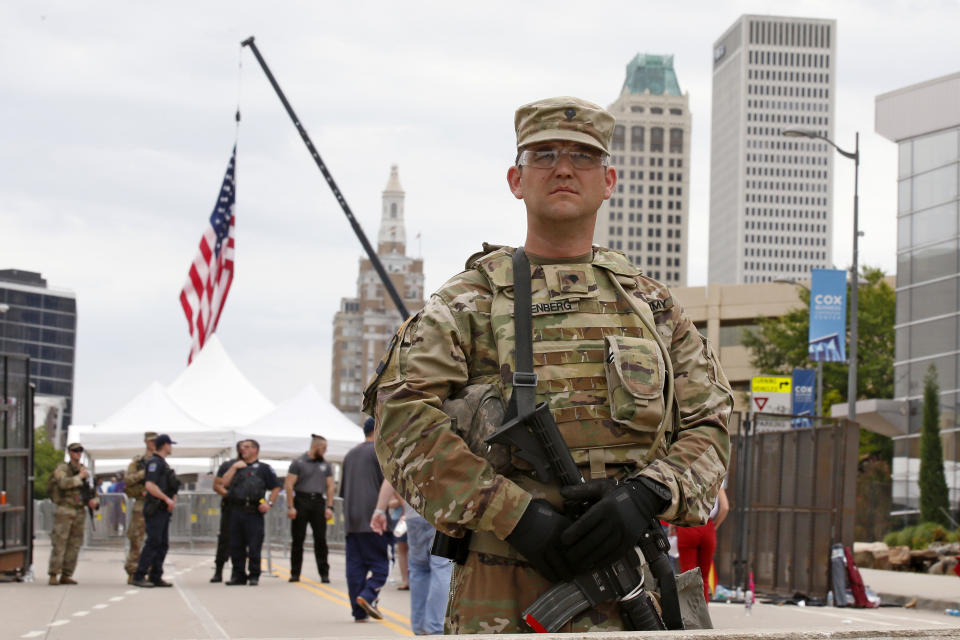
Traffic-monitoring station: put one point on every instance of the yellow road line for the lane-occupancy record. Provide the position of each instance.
(343, 599)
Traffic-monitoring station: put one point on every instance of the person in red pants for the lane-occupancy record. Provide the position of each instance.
(698, 544)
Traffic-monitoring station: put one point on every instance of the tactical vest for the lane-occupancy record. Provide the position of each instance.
(599, 368)
(136, 489)
(247, 485)
(65, 497)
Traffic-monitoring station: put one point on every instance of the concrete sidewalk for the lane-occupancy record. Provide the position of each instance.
(932, 592)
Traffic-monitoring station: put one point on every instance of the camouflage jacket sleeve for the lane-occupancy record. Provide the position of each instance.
(136, 472)
(429, 464)
(697, 459)
(65, 477)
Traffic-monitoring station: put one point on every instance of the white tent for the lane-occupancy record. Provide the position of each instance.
(121, 435)
(285, 431)
(214, 391)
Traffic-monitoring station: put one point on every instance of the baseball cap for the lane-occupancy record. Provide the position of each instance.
(564, 118)
(163, 439)
(149, 435)
(368, 426)
(75, 446)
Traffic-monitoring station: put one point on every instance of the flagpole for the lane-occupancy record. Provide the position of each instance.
(374, 259)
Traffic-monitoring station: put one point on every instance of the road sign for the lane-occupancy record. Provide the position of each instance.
(771, 396)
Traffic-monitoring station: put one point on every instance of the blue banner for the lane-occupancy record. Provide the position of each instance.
(828, 315)
(804, 401)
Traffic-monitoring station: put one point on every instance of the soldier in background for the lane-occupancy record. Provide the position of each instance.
(134, 487)
(71, 491)
(609, 346)
(223, 535)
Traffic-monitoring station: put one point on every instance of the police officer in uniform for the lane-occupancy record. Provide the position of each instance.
(636, 392)
(309, 490)
(223, 535)
(134, 480)
(161, 485)
(247, 481)
(72, 492)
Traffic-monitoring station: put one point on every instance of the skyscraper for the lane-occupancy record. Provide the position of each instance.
(646, 217)
(42, 323)
(365, 323)
(771, 196)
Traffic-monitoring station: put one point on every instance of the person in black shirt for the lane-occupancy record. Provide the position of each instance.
(247, 480)
(161, 485)
(309, 490)
(223, 536)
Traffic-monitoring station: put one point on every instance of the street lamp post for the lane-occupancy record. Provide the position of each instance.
(854, 268)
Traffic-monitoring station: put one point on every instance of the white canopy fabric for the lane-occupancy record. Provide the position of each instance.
(285, 431)
(214, 391)
(151, 410)
(99, 443)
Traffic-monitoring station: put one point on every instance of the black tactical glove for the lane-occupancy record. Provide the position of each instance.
(537, 537)
(613, 525)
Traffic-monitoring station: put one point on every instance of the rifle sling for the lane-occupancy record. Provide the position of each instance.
(524, 378)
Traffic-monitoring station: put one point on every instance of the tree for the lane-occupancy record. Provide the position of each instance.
(934, 498)
(780, 344)
(45, 460)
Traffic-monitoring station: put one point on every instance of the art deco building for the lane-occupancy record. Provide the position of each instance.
(647, 215)
(771, 196)
(365, 323)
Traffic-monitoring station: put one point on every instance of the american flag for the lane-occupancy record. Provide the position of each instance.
(211, 273)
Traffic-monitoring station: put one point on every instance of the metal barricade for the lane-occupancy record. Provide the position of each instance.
(194, 525)
(109, 523)
(43, 512)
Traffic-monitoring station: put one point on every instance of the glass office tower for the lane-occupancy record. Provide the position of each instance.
(924, 121)
(42, 323)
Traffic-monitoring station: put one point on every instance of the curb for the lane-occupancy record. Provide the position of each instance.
(922, 603)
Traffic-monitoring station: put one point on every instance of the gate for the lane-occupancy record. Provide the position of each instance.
(792, 494)
(16, 464)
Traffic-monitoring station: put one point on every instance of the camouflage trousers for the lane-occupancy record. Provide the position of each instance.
(490, 592)
(136, 532)
(65, 539)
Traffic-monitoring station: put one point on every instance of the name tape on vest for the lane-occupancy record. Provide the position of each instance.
(558, 306)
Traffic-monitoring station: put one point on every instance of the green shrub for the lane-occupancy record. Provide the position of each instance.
(920, 536)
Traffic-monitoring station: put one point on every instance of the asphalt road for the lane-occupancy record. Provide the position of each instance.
(103, 607)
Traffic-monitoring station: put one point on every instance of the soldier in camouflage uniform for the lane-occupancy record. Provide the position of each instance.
(135, 477)
(636, 391)
(67, 483)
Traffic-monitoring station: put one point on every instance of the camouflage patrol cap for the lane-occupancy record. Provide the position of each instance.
(75, 446)
(149, 435)
(564, 118)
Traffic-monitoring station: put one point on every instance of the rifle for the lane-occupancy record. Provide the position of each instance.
(538, 441)
(87, 493)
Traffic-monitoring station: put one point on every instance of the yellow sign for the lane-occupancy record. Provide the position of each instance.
(771, 384)
(193, 518)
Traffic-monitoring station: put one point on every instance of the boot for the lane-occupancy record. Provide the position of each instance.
(129, 578)
(67, 580)
(217, 575)
(53, 579)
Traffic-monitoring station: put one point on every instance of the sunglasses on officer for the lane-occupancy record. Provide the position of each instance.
(548, 157)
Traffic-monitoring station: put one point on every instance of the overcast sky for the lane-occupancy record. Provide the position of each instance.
(116, 123)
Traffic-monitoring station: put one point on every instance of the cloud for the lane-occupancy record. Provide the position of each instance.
(118, 122)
